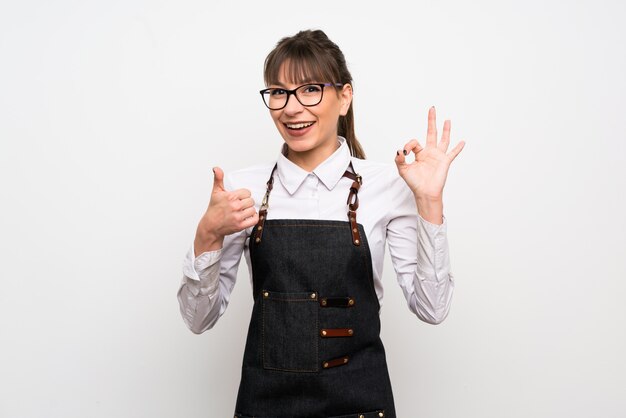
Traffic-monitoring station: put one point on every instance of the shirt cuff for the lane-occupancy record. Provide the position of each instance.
(430, 228)
(433, 261)
(202, 270)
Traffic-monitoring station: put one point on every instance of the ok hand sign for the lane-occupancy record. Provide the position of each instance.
(426, 176)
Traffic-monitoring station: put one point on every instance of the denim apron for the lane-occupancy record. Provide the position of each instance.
(313, 348)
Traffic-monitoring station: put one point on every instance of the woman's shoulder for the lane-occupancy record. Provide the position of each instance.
(375, 170)
(381, 180)
(249, 177)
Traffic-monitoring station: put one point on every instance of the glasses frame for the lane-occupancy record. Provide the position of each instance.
(293, 92)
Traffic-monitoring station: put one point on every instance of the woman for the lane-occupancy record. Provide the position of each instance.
(313, 347)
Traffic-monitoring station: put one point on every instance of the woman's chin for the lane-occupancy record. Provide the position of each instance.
(309, 144)
(299, 143)
(298, 146)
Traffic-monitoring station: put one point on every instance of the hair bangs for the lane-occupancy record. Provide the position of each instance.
(299, 64)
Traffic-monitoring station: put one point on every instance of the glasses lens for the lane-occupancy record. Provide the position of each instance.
(275, 98)
(309, 95)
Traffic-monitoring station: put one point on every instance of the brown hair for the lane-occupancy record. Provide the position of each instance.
(312, 56)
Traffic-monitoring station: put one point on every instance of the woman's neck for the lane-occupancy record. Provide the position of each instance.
(309, 160)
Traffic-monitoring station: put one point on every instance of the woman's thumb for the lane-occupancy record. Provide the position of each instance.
(218, 179)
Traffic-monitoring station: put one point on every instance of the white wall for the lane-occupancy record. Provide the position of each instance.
(112, 114)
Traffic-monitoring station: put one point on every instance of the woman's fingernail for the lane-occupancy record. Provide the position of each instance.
(404, 152)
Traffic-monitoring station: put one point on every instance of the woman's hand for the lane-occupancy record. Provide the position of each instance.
(426, 176)
(228, 212)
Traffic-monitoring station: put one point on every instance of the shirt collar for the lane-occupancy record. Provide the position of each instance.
(329, 171)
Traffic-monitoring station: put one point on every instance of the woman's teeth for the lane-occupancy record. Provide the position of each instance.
(299, 125)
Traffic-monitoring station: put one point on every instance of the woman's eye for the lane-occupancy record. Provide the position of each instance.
(277, 92)
(312, 89)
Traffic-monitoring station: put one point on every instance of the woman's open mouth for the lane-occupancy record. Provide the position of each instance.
(298, 128)
(299, 125)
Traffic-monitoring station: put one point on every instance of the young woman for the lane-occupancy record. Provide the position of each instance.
(315, 246)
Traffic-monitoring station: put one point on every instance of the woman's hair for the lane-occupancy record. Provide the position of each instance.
(312, 56)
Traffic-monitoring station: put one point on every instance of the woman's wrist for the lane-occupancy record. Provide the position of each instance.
(207, 241)
(431, 209)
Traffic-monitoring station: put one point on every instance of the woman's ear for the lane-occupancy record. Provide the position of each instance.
(345, 96)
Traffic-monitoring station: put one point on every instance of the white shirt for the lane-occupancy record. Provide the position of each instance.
(387, 211)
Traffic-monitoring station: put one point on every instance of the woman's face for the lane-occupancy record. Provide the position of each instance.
(311, 130)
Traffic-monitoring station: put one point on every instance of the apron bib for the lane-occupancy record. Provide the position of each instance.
(313, 348)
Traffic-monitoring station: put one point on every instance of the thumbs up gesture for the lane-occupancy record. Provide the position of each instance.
(228, 212)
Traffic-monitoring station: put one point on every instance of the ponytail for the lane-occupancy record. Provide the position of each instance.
(345, 128)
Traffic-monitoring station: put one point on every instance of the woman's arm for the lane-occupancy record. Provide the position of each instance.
(420, 256)
(209, 278)
(427, 283)
(208, 281)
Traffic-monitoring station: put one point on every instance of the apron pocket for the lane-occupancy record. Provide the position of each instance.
(290, 331)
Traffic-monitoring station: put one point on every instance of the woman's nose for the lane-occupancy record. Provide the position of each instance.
(293, 106)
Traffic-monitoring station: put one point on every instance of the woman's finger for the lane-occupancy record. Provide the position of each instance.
(417, 148)
(456, 150)
(400, 159)
(246, 213)
(241, 193)
(247, 203)
(250, 222)
(218, 179)
(412, 145)
(431, 133)
(445, 137)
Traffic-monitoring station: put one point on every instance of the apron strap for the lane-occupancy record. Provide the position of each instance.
(353, 204)
(264, 206)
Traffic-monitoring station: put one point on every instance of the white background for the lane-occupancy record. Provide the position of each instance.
(112, 114)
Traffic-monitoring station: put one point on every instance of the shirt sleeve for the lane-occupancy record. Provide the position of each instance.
(208, 281)
(420, 256)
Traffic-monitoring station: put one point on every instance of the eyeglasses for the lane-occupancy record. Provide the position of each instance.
(276, 98)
